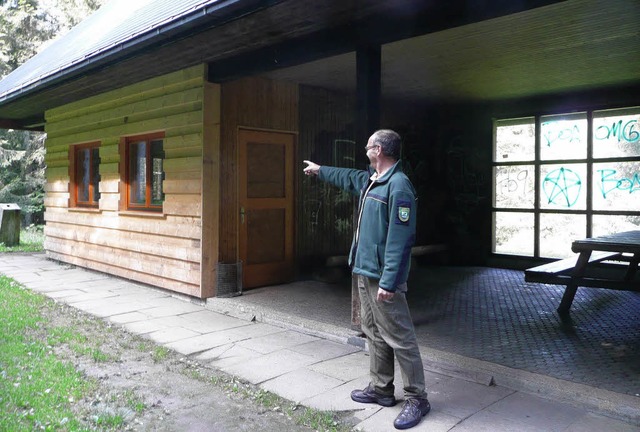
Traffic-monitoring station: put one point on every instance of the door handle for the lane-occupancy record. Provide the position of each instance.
(242, 215)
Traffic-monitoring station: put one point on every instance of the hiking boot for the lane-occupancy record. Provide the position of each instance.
(369, 395)
(412, 412)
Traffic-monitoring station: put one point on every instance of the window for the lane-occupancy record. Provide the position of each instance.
(558, 178)
(144, 172)
(85, 175)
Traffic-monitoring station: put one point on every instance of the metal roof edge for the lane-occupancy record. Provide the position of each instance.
(228, 10)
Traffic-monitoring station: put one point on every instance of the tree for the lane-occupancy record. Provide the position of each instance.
(27, 27)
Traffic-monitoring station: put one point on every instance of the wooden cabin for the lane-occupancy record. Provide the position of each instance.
(176, 134)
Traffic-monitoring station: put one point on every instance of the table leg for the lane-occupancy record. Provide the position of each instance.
(633, 266)
(572, 286)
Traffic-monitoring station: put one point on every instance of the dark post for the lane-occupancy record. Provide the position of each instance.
(367, 121)
(10, 224)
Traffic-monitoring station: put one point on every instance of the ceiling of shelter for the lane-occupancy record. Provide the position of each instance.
(568, 46)
(474, 51)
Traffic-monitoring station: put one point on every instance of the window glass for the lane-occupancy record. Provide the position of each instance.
(563, 186)
(514, 186)
(558, 231)
(514, 140)
(616, 133)
(157, 157)
(563, 137)
(83, 164)
(95, 173)
(145, 172)
(609, 224)
(616, 186)
(513, 233)
(86, 175)
(137, 172)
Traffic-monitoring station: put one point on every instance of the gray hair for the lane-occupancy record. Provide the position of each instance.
(389, 141)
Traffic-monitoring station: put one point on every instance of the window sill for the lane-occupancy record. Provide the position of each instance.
(84, 210)
(147, 214)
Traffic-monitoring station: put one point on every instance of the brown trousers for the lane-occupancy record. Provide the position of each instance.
(389, 330)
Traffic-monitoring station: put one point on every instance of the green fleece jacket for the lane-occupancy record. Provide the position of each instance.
(386, 226)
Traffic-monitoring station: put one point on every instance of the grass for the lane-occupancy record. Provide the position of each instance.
(37, 390)
(31, 240)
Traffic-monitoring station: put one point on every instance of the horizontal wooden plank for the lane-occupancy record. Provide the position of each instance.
(183, 152)
(57, 186)
(109, 202)
(56, 174)
(174, 226)
(162, 246)
(569, 263)
(183, 205)
(181, 141)
(182, 187)
(187, 100)
(142, 263)
(158, 122)
(51, 200)
(109, 185)
(174, 82)
(162, 282)
(183, 164)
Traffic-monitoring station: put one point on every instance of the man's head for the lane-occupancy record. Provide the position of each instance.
(389, 141)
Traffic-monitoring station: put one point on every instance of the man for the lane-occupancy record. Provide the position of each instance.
(380, 258)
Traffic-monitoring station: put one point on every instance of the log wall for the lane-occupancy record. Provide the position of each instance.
(176, 249)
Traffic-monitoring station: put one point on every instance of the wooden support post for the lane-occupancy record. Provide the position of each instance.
(367, 121)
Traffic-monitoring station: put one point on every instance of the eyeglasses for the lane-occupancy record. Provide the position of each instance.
(370, 147)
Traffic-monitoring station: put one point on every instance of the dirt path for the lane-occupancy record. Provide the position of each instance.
(154, 389)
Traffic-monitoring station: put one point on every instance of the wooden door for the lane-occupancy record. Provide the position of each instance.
(266, 207)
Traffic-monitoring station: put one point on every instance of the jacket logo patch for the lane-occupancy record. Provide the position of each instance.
(403, 214)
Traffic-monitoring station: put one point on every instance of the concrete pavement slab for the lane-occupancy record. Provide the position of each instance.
(227, 355)
(66, 293)
(165, 311)
(460, 398)
(345, 368)
(323, 349)
(595, 423)
(301, 384)
(171, 334)
(486, 421)
(545, 414)
(150, 325)
(277, 341)
(269, 366)
(107, 309)
(339, 398)
(243, 331)
(130, 317)
(91, 295)
(207, 321)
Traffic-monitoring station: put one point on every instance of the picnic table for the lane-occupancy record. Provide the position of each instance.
(609, 261)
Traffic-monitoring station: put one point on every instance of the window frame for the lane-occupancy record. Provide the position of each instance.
(538, 163)
(125, 191)
(74, 201)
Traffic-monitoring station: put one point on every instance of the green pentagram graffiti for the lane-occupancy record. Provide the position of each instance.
(562, 187)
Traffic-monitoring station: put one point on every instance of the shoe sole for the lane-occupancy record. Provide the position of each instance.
(374, 401)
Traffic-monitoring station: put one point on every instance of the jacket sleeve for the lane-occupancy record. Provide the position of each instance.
(401, 236)
(348, 179)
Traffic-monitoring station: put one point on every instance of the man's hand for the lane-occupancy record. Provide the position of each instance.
(383, 294)
(311, 169)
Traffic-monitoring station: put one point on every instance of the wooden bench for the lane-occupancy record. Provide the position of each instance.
(571, 272)
(558, 272)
